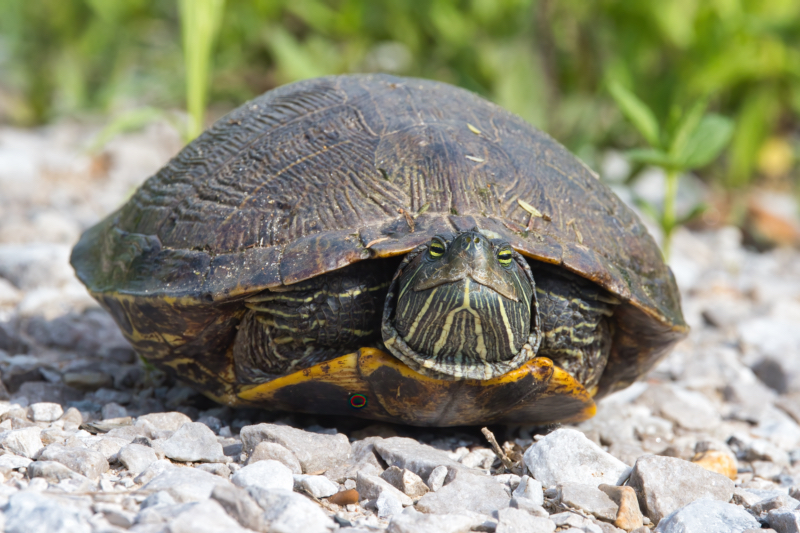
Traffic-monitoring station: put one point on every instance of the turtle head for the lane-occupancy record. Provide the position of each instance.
(461, 307)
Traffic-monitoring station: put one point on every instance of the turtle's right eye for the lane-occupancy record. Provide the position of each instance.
(436, 248)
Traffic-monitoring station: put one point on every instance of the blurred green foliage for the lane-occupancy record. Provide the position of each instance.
(549, 61)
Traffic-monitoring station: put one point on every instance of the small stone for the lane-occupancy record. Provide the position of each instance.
(264, 474)
(109, 447)
(665, 484)
(784, 520)
(588, 499)
(345, 497)
(466, 492)
(707, 516)
(270, 450)
(194, 442)
(86, 462)
(52, 471)
(529, 506)
(183, 484)
(370, 488)
(113, 410)
(72, 419)
(436, 478)
(717, 461)
(31, 512)
(426, 523)
(573, 520)
(517, 521)
(316, 452)
(530, 489)
(136, 458)
(171, 421)
(26, 442)
(46, 412)
(567, 455)
(115, 514)
(775, 502)
(316, 486)
(388, 505)
(204, 517)
(289, 512)
(9, 461)
(405, 481)
(218, 469)
(158, 498)
(629, 516)
(238, 503)
(410, 455)
(689, 409)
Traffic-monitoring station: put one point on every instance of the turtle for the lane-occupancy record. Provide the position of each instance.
(390, 248)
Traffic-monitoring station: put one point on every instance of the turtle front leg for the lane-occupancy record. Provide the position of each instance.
(298, 326)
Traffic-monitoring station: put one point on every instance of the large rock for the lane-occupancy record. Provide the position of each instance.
(271, 451)
(289, 512)
(708, 516)
(265, 474)
(567, 455)
(409, 454)
(34, 512)
(464, 491)
(194, 442)
(185, 484)
(665, 484)
(316, 452)
(238, 503)
(86, 462)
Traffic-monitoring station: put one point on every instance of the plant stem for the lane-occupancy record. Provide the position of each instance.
(668, 216)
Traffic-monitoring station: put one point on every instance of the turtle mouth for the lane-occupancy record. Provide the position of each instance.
(462, 319)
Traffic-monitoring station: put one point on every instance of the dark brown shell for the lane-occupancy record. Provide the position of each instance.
(322, 173)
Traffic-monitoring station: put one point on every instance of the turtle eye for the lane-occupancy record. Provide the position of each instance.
(436, 248)
(505, 257)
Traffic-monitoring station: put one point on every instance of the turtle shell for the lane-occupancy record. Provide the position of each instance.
(320, 174)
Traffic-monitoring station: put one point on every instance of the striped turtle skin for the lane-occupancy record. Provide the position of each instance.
(275, 262)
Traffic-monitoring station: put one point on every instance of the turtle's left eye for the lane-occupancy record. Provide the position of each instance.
(505, 257)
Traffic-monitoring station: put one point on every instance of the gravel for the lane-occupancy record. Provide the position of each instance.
(93, 440)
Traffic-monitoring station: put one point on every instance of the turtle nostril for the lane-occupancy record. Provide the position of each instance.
(477, 240)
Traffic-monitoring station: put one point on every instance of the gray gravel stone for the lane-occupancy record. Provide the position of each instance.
(665, 484)
(574, 521)
(136, 457)
(370, 488)
(218, 469)
(437, 477)
(784, 520)
(289, 512)
(518, 521)
(465, 491)
(411, 455)
(707, 516)
(109, 447)
(9, 461)
(31, 512)
(238, 503)
(271, 450)
(425, 523)
(316, 486)
(26, 442)
(588, 499)
(775, 502)
(530, 489)
(87, 462)
(567, 455)
(406, 482)
(529, 506)
(52, 471)
(171, 421)
(316, 452)
(184, 484)
(264, 474)
(194, 442)
(204, 517)
(388, 505)
(46, 412)
(689, 409)
(363, 458)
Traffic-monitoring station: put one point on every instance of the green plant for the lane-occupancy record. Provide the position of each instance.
(200, 22)
(695, 140)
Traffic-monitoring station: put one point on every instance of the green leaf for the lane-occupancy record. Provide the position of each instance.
(637, 112)
(686, 127)
(708, 140)
(650, 156)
